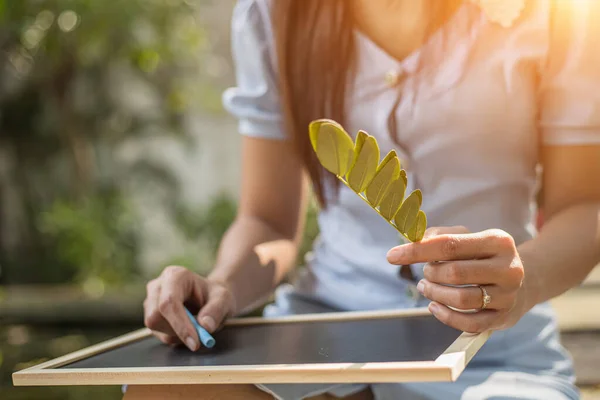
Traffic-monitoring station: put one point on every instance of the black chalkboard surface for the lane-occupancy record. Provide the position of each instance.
(379, 346)
(421, 338)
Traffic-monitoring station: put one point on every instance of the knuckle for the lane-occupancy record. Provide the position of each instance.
(173, 271)
(502, 237)
(516, 274)
(507, 241)
(165, 305)
(496, 232)
(151, 320)
(513, 274)
(151, 286)
(455, 273)
(450, 247)
(169, 270)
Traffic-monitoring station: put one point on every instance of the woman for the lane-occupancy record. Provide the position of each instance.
(473, 95)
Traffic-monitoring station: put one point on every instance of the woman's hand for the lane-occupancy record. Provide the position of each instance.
(456, 257)
(166, 296)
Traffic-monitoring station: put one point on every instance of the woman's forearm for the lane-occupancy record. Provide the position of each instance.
(252, 259)
(563, 254)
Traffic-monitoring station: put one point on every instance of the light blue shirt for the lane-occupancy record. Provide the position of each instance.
(469, 126)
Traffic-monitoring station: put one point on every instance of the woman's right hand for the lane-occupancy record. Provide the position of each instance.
(176, 288)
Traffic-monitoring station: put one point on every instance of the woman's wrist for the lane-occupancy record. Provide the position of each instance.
(530, 288)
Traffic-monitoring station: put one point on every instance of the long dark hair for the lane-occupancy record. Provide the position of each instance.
(316, 62)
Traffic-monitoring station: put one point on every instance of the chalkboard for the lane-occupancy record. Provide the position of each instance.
(337, 347)
(421, 338)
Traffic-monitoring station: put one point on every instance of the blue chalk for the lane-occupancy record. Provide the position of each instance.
(205, 337)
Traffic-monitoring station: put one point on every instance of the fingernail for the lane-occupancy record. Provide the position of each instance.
(434, 308)
(191, 343)
(395, 254)
(208, 323)
(420, 286)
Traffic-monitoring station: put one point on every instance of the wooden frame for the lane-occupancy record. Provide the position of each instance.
(447, 367)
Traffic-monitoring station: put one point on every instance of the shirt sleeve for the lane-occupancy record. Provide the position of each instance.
(254, 101)
(570, 85)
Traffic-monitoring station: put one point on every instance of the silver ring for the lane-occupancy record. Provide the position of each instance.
(486, 299)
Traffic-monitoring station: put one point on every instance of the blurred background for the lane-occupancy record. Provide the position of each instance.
(116, 159)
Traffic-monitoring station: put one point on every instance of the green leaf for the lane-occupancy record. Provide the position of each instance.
(393, 198)
(417, 230)
(387, 172)
(366, 158)
(408, 212)
(333, 146)
(383, 185)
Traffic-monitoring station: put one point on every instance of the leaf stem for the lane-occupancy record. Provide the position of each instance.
(376, 210)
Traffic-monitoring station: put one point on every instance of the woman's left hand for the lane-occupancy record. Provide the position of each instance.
(456, 257)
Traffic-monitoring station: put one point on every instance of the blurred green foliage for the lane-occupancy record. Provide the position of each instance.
(96, 235)
(209, 222)
(80, 78)
(202, 227)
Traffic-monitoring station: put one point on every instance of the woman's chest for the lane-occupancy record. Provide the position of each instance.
(478, 102)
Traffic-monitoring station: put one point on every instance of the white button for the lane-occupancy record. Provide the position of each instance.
(392, 77)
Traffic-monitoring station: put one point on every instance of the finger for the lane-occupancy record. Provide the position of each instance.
(466, 298)
(472, 323)
(431, 232)
(166, 339)
(153, 319)
(217, 308)
(177, 287)
(172, 309)
(448, 247)
(469, 272)
(444, 230)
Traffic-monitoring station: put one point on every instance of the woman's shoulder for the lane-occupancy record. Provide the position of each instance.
(252, 10)
(254, 100)
(252, 18)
